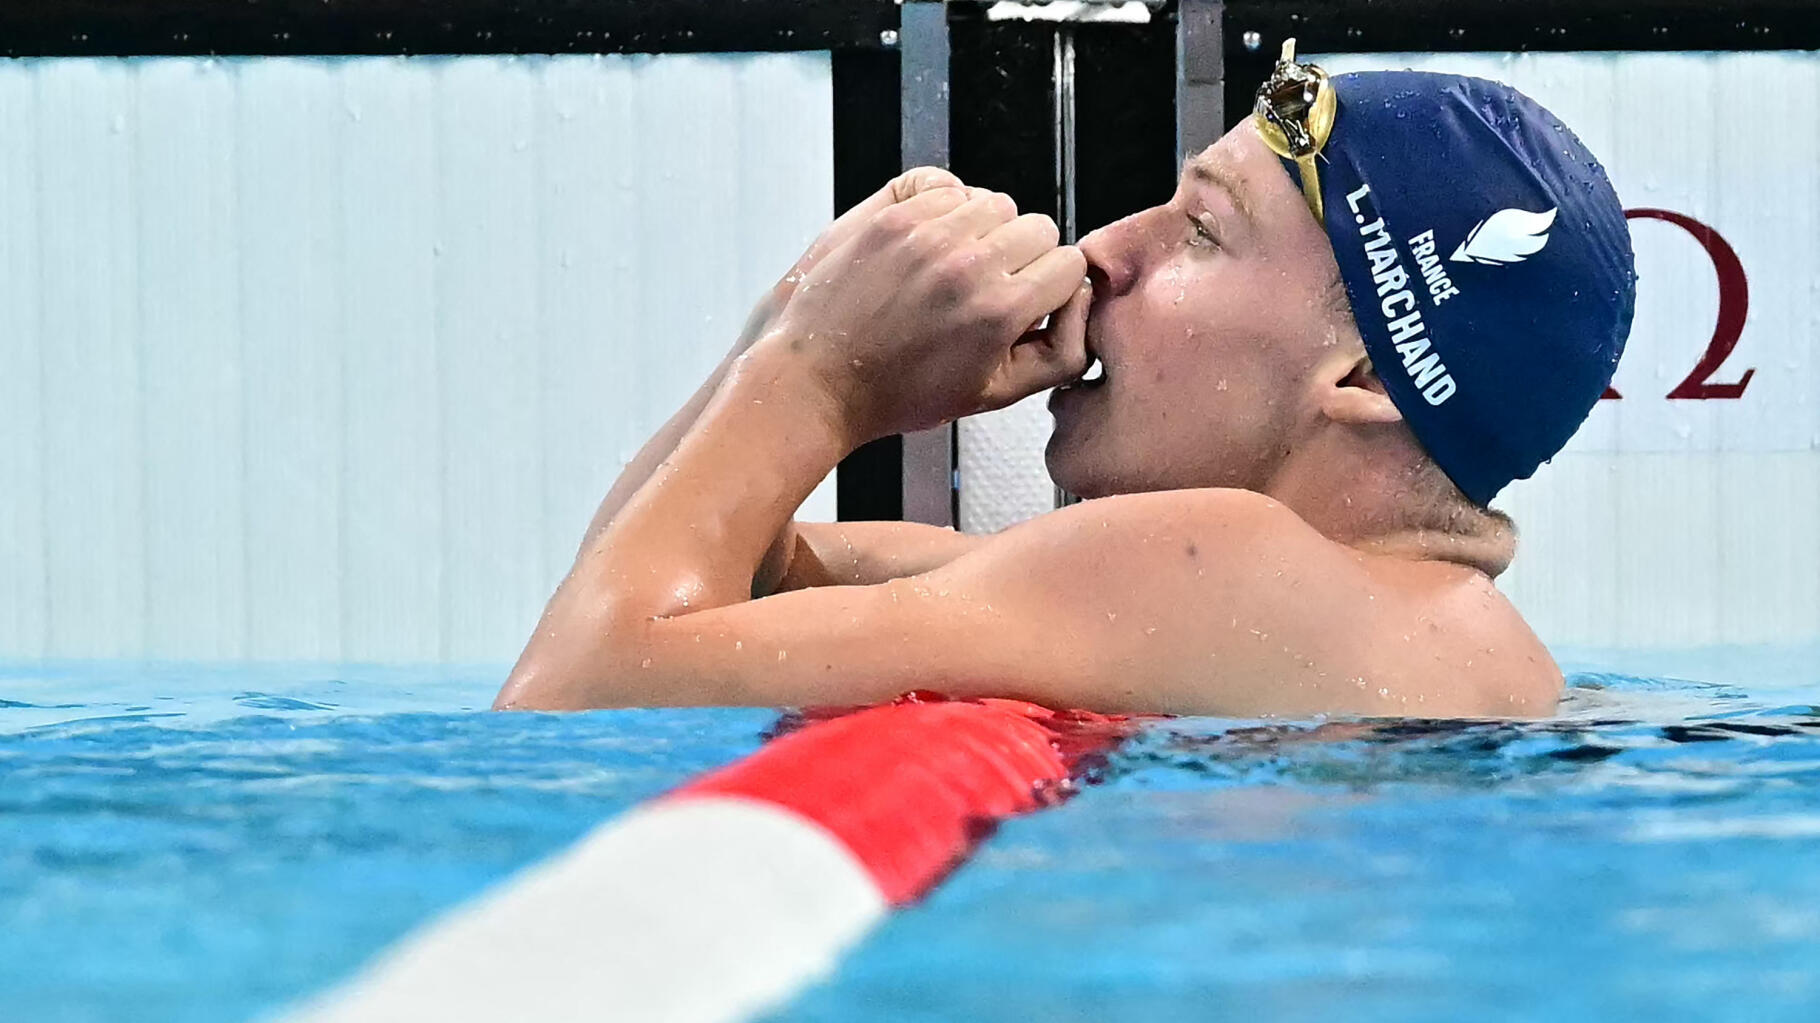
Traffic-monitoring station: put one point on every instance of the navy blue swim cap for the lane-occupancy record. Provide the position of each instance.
(1488, 264)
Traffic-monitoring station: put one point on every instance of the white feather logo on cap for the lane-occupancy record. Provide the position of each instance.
(1507, 236)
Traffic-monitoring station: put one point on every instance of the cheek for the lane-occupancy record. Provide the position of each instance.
(1215, 333)
(1176, 290)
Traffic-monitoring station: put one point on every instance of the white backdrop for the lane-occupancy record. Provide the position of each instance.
(1667, 522)
(331, 359)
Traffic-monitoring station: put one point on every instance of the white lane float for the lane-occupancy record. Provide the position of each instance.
(722, 899)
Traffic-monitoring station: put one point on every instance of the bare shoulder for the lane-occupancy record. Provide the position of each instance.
(1234, 605)
(1466, 643)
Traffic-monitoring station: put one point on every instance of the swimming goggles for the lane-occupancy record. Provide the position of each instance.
(1294, 115)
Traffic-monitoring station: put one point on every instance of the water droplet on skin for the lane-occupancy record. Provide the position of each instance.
(646, 663)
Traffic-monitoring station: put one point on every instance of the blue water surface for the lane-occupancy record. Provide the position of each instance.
(208, 844)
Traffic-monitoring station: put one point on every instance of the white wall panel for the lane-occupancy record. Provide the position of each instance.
(288, 242)
(392, 568)
(88, 345)
(196, 371)
(486, 328)
(332, 358)
(24, 594)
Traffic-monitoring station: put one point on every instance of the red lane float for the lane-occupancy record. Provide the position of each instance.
(725, 897)
(907, 788)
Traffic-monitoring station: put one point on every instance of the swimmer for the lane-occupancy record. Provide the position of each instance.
(1362, 313)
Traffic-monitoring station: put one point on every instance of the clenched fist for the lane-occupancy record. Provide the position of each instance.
(918, 306)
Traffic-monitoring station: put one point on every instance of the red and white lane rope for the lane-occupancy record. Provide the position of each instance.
(725, 897)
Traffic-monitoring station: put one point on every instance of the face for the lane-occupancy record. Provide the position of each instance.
(1209, 314)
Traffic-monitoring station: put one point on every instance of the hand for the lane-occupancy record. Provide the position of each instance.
(924, 313)
(905, 185)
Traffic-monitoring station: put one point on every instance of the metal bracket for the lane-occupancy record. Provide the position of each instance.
(928, 463)
(1200, 75)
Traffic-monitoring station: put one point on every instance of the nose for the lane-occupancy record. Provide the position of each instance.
(1115, 254)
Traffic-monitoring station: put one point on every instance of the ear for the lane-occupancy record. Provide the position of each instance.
(1354, 394)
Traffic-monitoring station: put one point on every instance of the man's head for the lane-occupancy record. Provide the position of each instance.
(1224, 319)
(1211, 315)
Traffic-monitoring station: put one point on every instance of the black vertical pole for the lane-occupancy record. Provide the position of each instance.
(869, 485)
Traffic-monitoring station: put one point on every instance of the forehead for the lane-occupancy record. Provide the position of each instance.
(1243, 166)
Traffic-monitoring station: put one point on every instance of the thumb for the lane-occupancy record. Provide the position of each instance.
(1044, 358)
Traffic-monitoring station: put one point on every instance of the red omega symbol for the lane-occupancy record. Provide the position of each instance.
(1734, 302)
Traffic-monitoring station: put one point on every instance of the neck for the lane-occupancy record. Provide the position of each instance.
(1376, 492)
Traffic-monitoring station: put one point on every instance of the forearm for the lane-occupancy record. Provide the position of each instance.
(689, 542)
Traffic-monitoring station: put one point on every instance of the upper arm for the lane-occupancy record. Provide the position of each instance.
(868, 553)
(1177, 602)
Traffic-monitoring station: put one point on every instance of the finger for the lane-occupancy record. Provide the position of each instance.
(983, 211)
(907, 185)
(1047, 282)
(910, 183)
(1047, 358)
(904, 217)
(918, 180)
(922, 207)
(1015, 245)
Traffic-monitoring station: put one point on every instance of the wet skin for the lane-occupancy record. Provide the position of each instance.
(1247, 550)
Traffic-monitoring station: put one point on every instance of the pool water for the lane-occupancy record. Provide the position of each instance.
(208, 844)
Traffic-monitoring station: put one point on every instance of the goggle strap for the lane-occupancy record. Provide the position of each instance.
(1311, 186)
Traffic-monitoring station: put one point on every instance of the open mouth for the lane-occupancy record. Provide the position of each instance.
(1094, 375)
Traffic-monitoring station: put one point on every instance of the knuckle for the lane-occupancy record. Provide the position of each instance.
(998, 309)
(928, 246)
(947, 281)
(935, 177)
(955, 268)
(914, 180)
(1044, 226)
(895, 220)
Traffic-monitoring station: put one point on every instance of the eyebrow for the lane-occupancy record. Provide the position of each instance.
(1212, 172)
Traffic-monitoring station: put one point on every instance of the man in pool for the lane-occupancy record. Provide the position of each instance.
(1362, 313)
